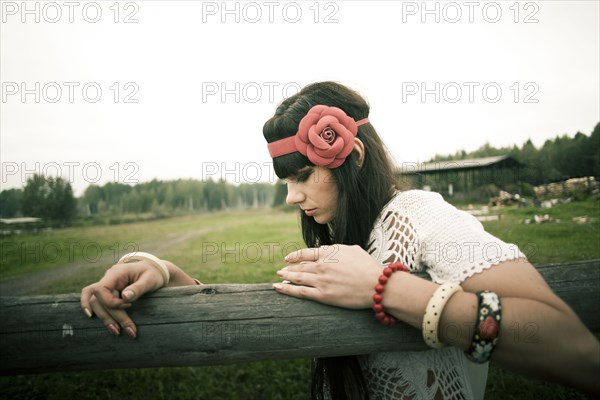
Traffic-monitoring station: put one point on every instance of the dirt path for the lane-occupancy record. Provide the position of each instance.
(23, 285)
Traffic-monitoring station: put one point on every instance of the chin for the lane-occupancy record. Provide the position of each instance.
(322, 220)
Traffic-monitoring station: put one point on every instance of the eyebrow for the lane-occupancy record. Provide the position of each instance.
(301, 172)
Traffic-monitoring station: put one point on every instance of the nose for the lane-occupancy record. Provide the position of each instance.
(294, 194)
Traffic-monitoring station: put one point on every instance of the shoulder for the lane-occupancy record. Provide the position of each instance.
(395, 233)
(416, 194)
(420, 227)
(416, 204)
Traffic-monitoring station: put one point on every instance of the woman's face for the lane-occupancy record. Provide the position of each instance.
(314, 189)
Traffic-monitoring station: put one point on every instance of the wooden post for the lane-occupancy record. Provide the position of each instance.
(222, 324)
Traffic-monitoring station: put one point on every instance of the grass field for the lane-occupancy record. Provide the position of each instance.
(238, 247)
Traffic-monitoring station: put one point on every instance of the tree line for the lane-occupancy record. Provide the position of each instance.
(556, 160)
(167, 196)
(52, 198)
(48, 198)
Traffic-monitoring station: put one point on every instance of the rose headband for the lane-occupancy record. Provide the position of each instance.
(325, 135)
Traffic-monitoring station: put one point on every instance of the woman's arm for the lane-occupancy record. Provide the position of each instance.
(120, 286)
(540, 335)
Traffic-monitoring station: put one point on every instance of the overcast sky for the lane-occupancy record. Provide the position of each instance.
(126, 92)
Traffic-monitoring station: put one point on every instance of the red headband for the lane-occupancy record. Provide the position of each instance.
(325, 135)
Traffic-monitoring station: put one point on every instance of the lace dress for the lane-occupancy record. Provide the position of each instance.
(432, 237)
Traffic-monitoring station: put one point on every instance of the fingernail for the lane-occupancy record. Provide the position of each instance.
(130, 332)
(277, 286)
(113, 329)
(128, 294)
(87, 312)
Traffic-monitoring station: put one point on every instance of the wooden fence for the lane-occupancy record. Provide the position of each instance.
(222, 324)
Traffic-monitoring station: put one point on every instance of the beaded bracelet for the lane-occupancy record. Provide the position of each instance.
(433, 312)
(151, 259)
(385, 318)
(487, 327)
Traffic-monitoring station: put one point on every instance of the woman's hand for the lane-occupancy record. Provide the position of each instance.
(339, 275)
(121, 285)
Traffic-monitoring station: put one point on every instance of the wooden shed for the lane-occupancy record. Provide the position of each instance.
(463, 176)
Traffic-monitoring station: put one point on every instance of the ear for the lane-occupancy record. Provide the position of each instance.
(359, 149)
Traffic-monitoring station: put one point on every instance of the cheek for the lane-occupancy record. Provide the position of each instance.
(327, 190)
(332, 196)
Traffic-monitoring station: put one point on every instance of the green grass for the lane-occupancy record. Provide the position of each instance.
(278, 380)
(248, 247)
(23, 254)
(240, 247)
(250, 253)
(552, 242)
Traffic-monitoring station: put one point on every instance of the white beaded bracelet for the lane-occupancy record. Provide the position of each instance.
(433, 312)
(153, 260)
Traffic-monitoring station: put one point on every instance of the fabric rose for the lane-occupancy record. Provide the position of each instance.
(326, 136)
(488, 328)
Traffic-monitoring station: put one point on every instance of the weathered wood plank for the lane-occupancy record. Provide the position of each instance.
(221, 324)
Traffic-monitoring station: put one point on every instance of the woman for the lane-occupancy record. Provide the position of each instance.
(356, 221)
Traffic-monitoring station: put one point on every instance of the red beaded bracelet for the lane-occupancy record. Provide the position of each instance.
(385, 318)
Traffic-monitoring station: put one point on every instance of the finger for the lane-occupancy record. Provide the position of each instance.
(84, 300)
(108, 297)
(103, 315)
(308, 254)
(300, 278)
(304, 266)
(146, 283)
(302, 292)
(124, 321)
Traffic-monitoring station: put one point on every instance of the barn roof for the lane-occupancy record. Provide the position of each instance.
(456, 165)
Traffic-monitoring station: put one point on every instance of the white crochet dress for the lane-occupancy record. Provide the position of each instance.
(430, 236)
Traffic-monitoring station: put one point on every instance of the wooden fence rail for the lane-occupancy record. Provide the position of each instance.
(222, 324)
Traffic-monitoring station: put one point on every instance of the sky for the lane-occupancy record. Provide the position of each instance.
(131, 91)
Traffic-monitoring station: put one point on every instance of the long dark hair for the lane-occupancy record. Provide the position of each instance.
(362, 193)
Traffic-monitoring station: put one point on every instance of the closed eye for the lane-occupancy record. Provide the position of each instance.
(301, 176)
(304, 175)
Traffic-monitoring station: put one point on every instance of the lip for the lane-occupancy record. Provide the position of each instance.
(310, 211)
